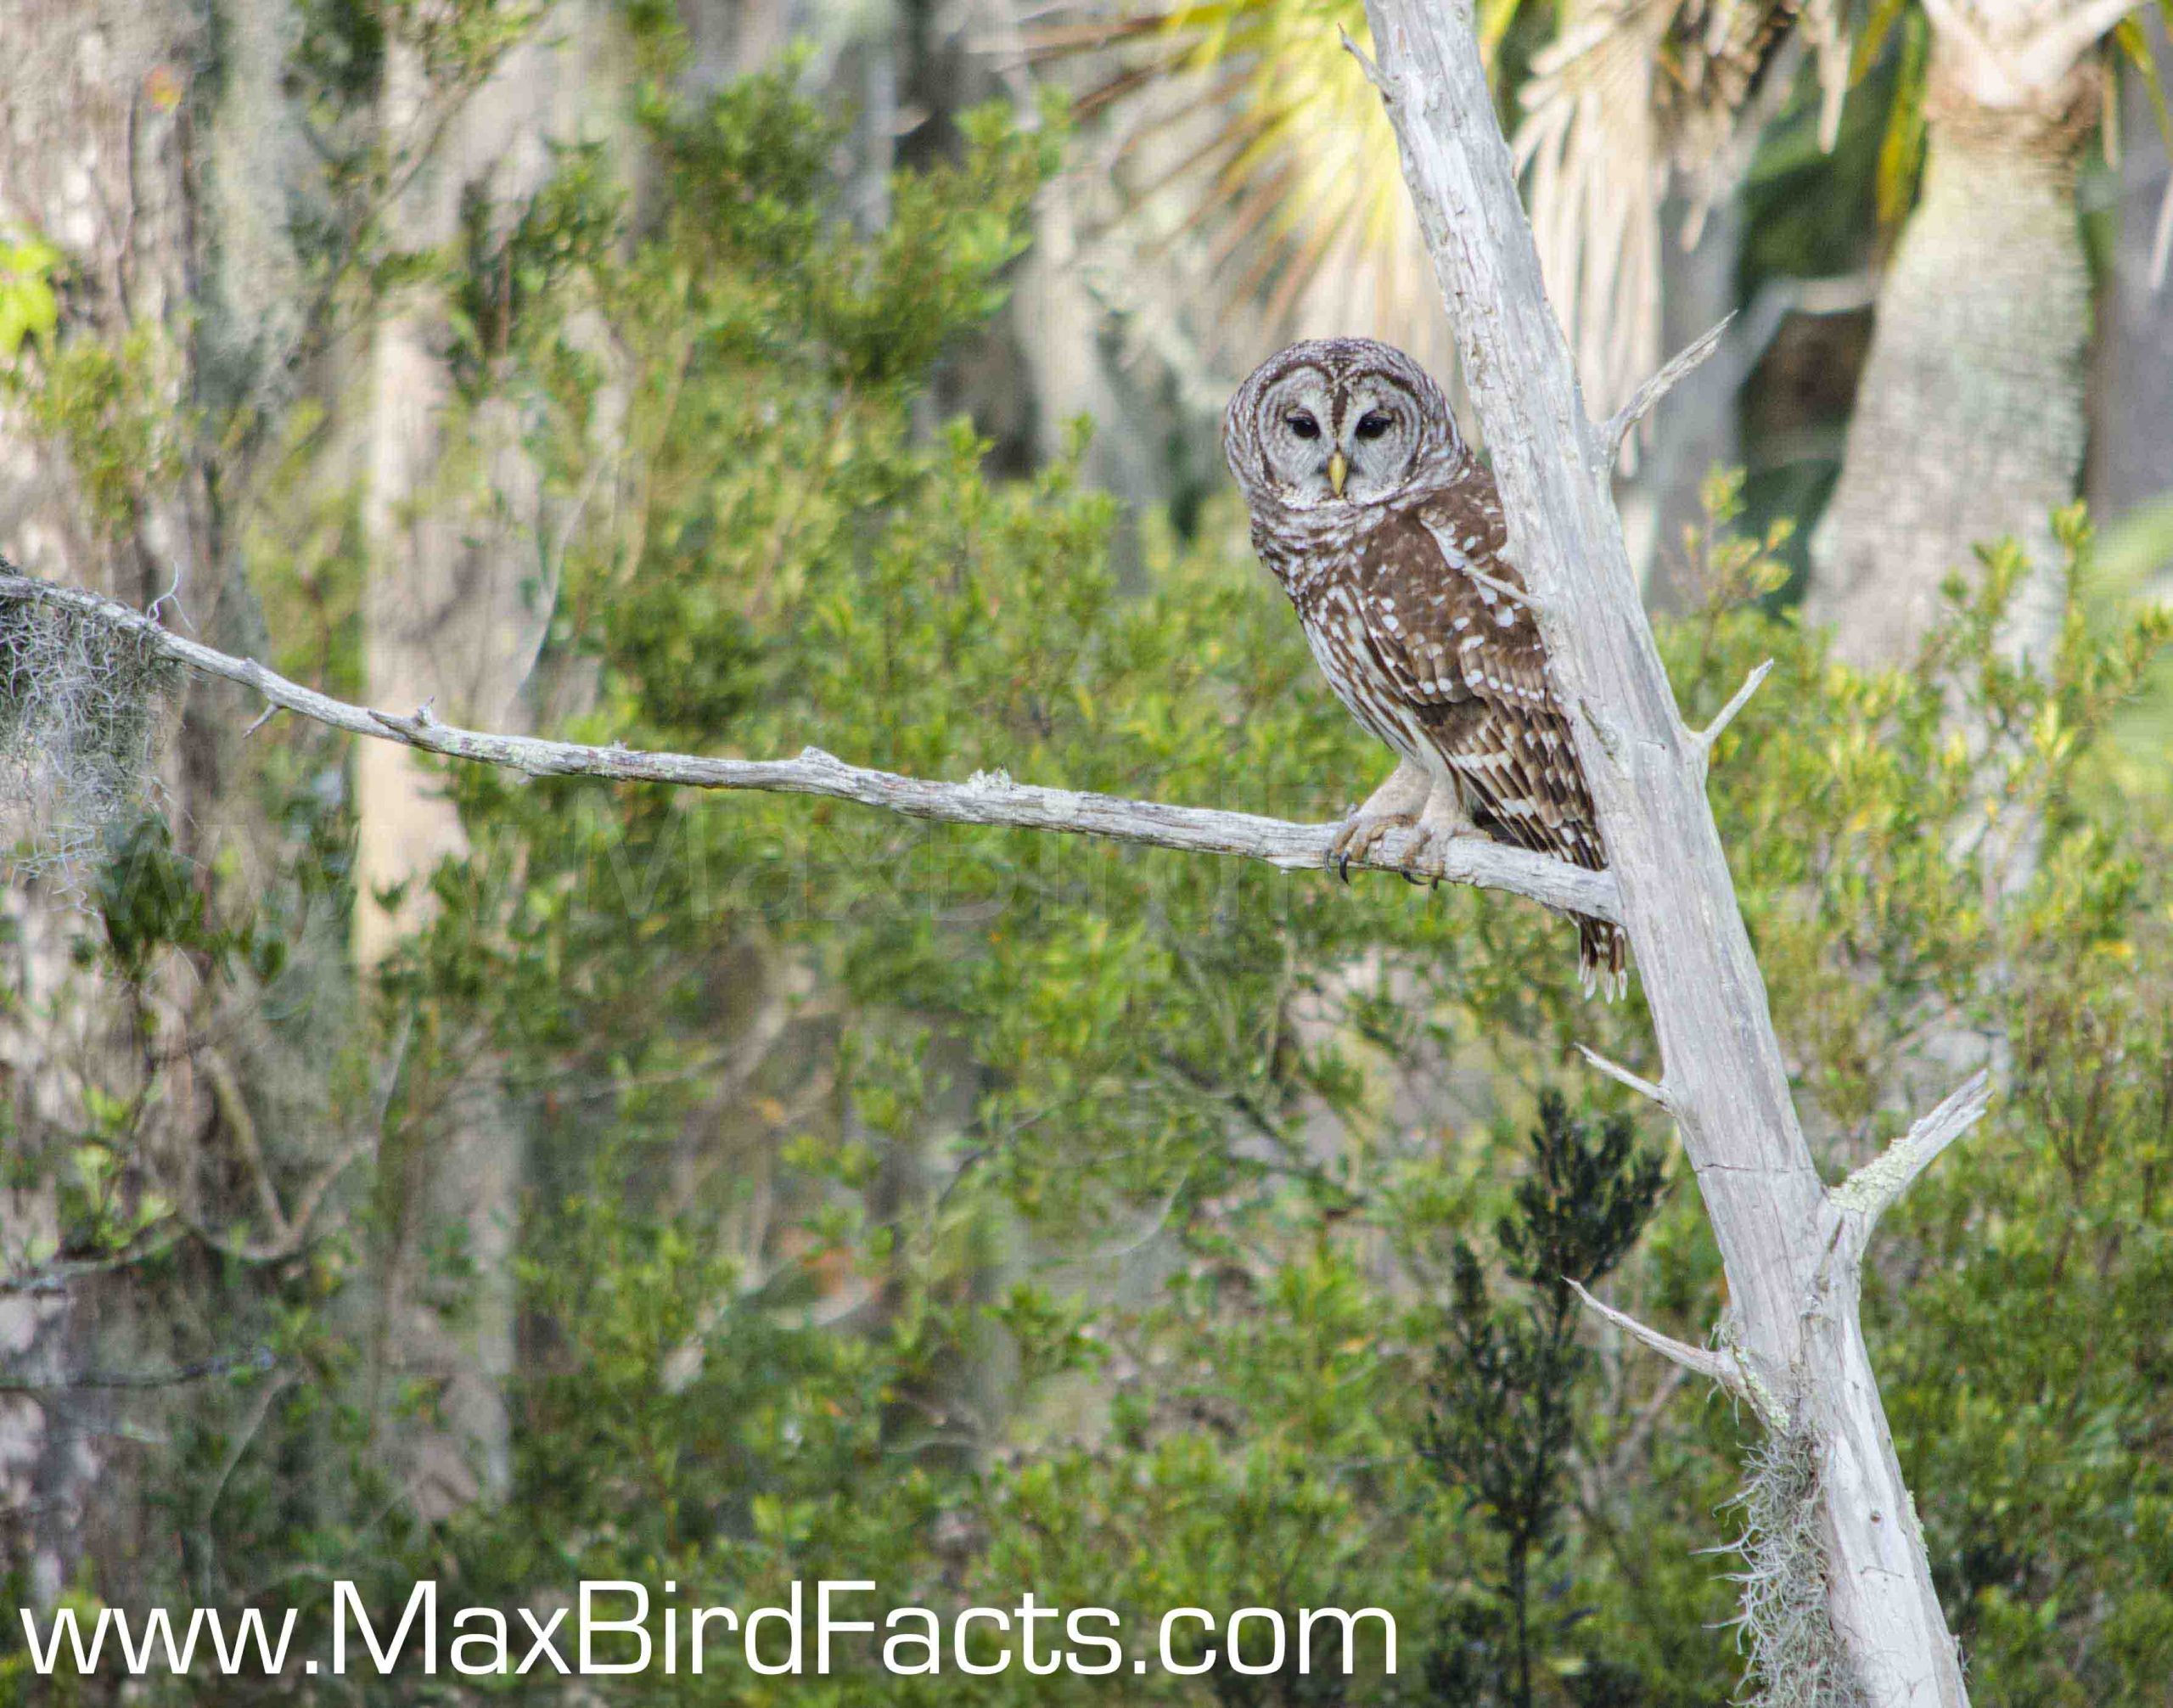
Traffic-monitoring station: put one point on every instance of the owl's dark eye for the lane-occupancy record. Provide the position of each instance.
(1373, 423)
(1302, 424)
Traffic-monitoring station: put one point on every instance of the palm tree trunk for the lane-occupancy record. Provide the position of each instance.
(1970, 421)
(2130, 445)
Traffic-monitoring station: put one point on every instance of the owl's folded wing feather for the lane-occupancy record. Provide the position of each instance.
(1467, 657)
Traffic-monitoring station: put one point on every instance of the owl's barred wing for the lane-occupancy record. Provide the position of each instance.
(1467, 661)
(1491, 714)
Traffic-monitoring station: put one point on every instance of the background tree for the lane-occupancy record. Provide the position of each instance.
(1507, 1383)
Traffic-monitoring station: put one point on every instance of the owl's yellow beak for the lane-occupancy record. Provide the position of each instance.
(1338, 470)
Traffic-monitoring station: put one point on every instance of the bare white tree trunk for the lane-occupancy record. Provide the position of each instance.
(1970, 420)
(1792, 1344)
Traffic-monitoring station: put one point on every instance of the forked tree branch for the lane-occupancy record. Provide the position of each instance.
(985, 798)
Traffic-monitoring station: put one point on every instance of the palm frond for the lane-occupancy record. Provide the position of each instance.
(1596, 171)
(1245, 138)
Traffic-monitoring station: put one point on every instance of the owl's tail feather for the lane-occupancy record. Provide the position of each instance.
(1602, 957)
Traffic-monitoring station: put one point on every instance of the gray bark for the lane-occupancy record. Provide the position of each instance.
(1969, 422)
(1791, 1250)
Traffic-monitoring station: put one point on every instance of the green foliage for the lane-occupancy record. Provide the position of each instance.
(340, 49)
(28, 307)
(111, 406)
(1503, 1427)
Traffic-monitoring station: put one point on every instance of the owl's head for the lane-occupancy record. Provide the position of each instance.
(1339, 421)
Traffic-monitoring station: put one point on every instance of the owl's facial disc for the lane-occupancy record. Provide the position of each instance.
(1331, 440)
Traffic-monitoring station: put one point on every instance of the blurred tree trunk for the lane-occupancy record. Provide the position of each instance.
(125, 139)
(1970, 423)
(95, 155)
(1697, 290)
(2131, 401)
(459, 530)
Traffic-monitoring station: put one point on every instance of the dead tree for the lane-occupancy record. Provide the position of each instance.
(1794, 1345)
(1839, 1604)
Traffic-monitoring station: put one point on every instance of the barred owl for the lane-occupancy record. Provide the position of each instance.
(1379, 523)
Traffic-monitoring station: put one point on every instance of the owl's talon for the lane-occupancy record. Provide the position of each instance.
(1362, 834)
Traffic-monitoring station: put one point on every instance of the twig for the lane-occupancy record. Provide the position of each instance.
(1622, 1075)
(1630, 415)
(1719, 1367)
(298, 1230)
(1711, 733)
(227, 1096)
(1366, 63)
(1641, 1427)
(240, 1445)
(1778, 299)
(305, 1207)
(1872, 1188)
(172, 593)
(983, 798)
(58, 1275)
(1516, 596)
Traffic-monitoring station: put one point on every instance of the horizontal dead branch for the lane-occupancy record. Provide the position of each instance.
(985, 798)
